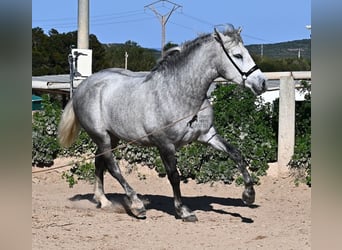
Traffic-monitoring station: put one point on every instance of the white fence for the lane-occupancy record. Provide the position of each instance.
(286, 126)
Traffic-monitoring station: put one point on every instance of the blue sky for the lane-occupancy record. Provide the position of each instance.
(113, 21)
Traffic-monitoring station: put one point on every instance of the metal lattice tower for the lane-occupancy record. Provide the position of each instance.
(163, 18)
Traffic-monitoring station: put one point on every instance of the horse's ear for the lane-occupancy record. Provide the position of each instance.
(239, 30)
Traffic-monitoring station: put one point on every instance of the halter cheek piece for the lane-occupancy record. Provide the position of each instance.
(244, 75)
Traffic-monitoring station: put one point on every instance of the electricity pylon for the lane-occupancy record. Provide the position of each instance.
(163, 18)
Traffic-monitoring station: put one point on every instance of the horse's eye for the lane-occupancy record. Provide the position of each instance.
(238, 56)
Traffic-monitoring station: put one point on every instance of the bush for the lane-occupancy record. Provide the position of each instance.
(80, 171)
(301, 160)
(45, 146)
(251, 133)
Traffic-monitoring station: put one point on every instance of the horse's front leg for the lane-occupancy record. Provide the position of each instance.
(169, 160)
(216, 141)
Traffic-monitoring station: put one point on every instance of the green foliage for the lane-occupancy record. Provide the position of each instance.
(136, 155)
(245, 122)
(205, 164)
(45, 146)
(301, 160)
(80, 171)
(44, 131)
(283, 49)
(280, 57)
(139, 59)
(267, 64)
(50, 52)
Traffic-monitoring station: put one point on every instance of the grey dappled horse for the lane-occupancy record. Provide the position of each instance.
(165, 108)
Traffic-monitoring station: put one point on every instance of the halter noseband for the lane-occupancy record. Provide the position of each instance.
(244, 75)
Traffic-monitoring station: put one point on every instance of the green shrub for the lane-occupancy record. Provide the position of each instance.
(45, 146)
(80, 171)
(136, 155)
(301, 159)
(245, 122)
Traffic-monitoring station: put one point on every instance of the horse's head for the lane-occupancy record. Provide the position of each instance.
(236, 64)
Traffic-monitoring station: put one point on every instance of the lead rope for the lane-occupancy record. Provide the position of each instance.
(121, 146)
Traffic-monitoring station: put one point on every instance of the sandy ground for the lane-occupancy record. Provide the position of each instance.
(67, 218)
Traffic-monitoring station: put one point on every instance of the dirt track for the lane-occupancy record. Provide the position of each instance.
(66, 218)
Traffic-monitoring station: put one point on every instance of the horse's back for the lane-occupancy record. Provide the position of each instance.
(105, 99)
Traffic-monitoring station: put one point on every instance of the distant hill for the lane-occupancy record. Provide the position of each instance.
(283, 49)
(273, 51)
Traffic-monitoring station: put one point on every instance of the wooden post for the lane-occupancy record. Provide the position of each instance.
(286, 131)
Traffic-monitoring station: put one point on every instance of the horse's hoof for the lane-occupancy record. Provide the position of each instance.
(139, 213)
(190, 218)
(106, 204)
(248, 196)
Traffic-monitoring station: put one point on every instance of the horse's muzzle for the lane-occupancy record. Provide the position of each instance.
(258, 90)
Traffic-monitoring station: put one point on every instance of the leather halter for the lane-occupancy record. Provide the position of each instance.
(244, 75)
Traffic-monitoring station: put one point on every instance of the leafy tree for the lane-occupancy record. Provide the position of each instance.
(139, 59)
(267, 64)
(50, 52)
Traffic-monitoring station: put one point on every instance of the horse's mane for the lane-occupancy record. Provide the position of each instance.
(177, 56)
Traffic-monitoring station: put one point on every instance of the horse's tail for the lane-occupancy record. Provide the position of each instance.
(69, 126)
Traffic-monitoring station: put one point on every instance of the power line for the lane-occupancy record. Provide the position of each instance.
(163, 18)
(128, 17)
(100, 20)
(93, 16)
(198, 19)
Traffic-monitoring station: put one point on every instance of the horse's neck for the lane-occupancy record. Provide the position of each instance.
(190, 83)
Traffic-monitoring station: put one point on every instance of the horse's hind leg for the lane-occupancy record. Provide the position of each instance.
(106, 161)
(169, 160)
(99, 195)
(217, 142)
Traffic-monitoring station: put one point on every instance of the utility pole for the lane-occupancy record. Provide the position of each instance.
(163, 18)
(299, 50)
(83, 24)
(262, 50)
(126, 57)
